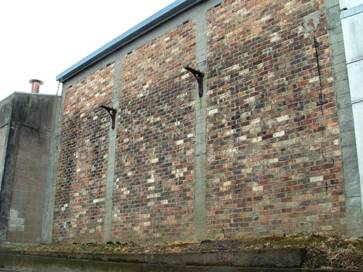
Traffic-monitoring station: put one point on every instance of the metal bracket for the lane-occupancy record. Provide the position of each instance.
(112, 112)
(318, 66)
(199, 76)
(317, 58)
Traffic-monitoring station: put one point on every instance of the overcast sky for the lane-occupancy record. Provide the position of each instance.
(41, 38)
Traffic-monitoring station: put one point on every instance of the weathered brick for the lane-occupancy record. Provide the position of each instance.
(163, 118)
(286, 160)
(80, 190)
(273, 138)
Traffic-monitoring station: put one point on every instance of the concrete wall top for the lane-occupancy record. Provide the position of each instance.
(34, 110)
(5, 111)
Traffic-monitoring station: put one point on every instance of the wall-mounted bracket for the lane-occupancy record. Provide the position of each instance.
(318, 66)
(317, 58)
(112, 112)
(199, 76)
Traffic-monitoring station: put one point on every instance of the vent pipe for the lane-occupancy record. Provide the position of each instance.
(35, 85)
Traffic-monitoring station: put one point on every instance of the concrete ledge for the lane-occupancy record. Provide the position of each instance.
(160, 263)
(284, 258)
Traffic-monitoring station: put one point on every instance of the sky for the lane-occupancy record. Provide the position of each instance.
(42, 38)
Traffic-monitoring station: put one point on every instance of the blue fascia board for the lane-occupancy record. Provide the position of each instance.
(135, 32)
(351, 12)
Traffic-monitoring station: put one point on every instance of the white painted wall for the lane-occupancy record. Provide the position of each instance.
(350, 3)
(358, 126)
(353, 42)
(355, 73)
(353, 37)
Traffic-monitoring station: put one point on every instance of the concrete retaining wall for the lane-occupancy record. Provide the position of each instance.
(25, 179)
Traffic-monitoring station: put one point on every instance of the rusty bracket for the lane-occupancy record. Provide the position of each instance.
(318, 66)
(317, 58)
(112, 112)
(199, 76)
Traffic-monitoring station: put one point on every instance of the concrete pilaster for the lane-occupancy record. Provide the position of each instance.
(48, 213)
(201, 157)
(112, 155)
(345, 115)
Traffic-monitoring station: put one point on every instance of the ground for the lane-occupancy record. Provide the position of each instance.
(322, 251)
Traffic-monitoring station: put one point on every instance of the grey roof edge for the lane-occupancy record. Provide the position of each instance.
(135, 32)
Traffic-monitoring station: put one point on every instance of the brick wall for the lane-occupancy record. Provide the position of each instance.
(153, 191)
(274, 153)
(79, 208)
(274, 159)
